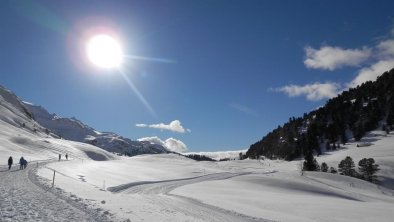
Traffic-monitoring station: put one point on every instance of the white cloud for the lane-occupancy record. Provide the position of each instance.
(331, 58)
(372, 72)
(380, 59)
(175, 145)
(313, 92)
(386, 48)
(152, 139)
(141, 125)
(174, 126)
(384, 61)
(171, 144)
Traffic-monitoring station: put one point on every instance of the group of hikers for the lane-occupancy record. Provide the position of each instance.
(60, 156)
(22, 163)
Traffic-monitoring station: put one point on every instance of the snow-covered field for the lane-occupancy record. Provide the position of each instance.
(220, 155)
(173, 188)
(169, 187)
(94, 185)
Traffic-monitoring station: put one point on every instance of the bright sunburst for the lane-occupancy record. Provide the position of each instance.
(104, 51)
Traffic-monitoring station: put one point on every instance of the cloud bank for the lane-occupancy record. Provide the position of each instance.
(331, 58)
(371, 73)
(374, 61)
(174, 126)
(313, 92)
(171, 144)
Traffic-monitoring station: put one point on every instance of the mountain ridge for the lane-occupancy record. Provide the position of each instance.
(350, 115)
(36, 119)
(75, 130)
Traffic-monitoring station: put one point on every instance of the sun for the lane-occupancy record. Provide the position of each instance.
(104, 51)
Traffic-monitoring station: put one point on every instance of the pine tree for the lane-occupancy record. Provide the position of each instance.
(344, 139)
(390, 116)
(310, 163)
(328, 146)
(316, 164)
(333, 170)
(324, 167)
(368, 169)
(346, 167)
(359, 131)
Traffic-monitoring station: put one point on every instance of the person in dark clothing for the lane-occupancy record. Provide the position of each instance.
(60, 156)
(24, 164)
(10, 162)
(21, 163)
(66, 156)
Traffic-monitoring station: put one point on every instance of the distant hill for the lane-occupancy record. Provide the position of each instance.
(39, 121)
(348, 116)
(73, 129)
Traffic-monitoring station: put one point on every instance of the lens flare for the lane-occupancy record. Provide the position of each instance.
(137, 92)
(104, 51)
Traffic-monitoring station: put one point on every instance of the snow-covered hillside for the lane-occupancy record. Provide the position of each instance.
(170, 187)
(21, 135)
(73, 129)
(174, 188)
(22, 197)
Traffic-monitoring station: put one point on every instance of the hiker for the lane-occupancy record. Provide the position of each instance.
(21, 163)
(60, 156)
(24, 164)
(10, 162)
(66, 156)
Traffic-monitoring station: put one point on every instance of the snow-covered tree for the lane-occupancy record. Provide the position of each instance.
(346, 167)
(333, 170)
(368, 169)
(324, 167)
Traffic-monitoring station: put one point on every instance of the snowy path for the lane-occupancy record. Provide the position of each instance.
(22, 198)
(174, 206)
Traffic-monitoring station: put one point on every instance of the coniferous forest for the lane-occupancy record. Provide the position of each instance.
(349, 115)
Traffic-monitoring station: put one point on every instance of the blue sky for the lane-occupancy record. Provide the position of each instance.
(240, 68)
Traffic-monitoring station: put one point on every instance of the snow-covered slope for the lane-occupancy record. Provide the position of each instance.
(21, 135)
(170, 187)
(75, 130)
(173, 188)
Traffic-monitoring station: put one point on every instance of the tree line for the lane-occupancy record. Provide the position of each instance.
(351, 114)
(367, 168)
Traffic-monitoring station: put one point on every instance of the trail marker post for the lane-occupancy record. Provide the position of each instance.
(53, 181)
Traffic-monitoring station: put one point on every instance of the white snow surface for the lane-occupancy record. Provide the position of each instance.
(169, 187)
(218, 155)
(94, 185)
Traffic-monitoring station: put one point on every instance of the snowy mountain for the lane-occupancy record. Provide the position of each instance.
(14, 113)
(73, 129)
(21, 135)
(169, 187)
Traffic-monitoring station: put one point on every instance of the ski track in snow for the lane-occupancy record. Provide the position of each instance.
(158, 193)
(24, 198)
